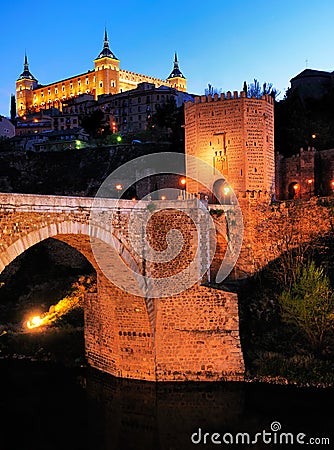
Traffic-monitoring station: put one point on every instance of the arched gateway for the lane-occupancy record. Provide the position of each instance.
(192, 335)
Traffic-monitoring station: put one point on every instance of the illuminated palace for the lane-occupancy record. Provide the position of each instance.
(106, 78)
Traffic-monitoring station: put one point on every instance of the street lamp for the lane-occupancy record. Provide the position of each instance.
(118, 187)
(310, 182)
(296, 188)
(183, 182)
(226, 192)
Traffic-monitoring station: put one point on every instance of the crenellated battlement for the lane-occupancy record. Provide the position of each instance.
(228, 96)
(235, 135)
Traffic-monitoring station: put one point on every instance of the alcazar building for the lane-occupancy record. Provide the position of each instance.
(105, 78)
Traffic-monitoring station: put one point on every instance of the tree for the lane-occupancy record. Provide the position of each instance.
(12, 108)
(169, 119)
(210, 90)
(309, 305)
(298, 119)
(94, 123)
(255, 89)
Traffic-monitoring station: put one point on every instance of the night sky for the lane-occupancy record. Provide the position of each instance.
(220, 42)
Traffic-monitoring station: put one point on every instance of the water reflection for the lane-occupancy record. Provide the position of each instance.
(44, 407)
(140, 415)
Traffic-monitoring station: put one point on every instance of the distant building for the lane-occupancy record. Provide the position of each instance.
(305, 174)
(41, 121)
(69, 139)
(7, 129)
(312, 83)
(106, 78)
(50, 141)
(127, 111)
(235, 135)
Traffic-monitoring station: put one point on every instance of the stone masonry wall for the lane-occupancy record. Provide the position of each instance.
(190, 336)
(273, 229)
(197, 336)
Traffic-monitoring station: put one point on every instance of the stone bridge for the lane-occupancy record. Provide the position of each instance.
(130, 331)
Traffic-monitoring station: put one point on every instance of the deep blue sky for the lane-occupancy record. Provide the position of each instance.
(218, 42)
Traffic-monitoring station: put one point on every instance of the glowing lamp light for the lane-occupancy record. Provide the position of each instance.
(34, 322)
(332, 184)
(119, 187)
(163, 197)
(296, 187)
(226, 190)
(183, 181)
(118, 139)
(314, 136)
(310, 181)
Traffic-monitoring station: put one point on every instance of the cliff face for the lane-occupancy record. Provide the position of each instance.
(73, 172)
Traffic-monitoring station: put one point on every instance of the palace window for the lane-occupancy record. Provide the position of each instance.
(56, 90)
(63, 88)
(101, 84)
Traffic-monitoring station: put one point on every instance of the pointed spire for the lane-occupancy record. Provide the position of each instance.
(106, 52)
(176, 71)
(26, 74)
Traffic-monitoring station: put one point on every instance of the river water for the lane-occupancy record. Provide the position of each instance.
(48, 407)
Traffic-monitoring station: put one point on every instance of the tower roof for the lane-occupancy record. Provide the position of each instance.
(176, 72)
(106, 52)
(26, 74)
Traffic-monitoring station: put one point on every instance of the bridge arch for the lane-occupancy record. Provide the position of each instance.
(112, 316)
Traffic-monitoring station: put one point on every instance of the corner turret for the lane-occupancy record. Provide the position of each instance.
(24, 89)
(106, 67)
(176, 79)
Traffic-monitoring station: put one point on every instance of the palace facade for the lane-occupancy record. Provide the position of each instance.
(105, 78)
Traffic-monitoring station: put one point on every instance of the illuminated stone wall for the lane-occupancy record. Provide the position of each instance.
(193, 335)
(234, 134)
